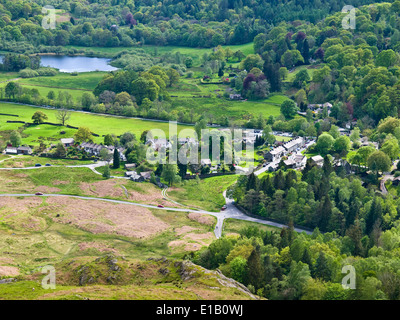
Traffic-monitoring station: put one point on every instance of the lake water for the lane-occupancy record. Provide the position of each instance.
(78, 64)
(75, 64)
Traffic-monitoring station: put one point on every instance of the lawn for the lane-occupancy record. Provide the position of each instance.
(207, 194)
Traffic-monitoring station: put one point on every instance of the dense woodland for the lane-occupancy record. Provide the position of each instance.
(171, 22)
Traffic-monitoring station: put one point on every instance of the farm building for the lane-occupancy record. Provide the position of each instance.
(24, 150)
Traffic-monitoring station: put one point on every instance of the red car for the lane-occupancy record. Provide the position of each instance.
(38, 194)
(223, 208)
(160, 206)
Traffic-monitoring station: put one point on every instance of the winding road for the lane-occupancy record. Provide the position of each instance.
(231, 211)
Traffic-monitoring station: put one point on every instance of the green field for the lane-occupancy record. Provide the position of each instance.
(99, 124)
(63, 81)
(207, 194)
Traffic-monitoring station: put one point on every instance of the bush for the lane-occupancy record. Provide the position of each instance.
(28, 73)
(47, 72)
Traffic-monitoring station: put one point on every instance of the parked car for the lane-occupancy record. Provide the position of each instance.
(38, 194)
(38, 165)
(48, 165)
(223, 207)
(160, 206)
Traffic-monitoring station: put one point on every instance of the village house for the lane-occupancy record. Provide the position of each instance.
(24, 150)
(318, 160)
(158, 144)
(11, 150)
(136, 177)
(296, 161)
(190, 141)
(294, 144)
(67, 142)
(94, 149)
(130, 166)
(275, 154)
(146, 175)
(235, 96)
(205, 162)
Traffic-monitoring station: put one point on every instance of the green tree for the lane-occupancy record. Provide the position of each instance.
(342, 145)
(108, 140)
(322, 269)
(83, 134)
(106, 172)
(15, 138)
(170, 173)
(239, 269)
(252, 61)
(255, 270)
(60, 151)
(12, 89)
(116, 159)
(391, 148)
(325, 143)
(379, 162)
(288, 109)
(39, 117)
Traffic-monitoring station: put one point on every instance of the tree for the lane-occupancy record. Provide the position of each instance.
(108, 140)
(379, 161)
(386, 58)
(189, 62)
(60, 151)
(173, 76)
(255, 270)
(334, 131)
(342, 145)
(51, 95)
(283, 73)
(301, 78)
(83, 134)
(87, 100)
(116, 161)
(239, 55)
(15, 138)
(391, 148)
(105, 155)
(200, 125)
(324, 143)
(267, 135)
(289, 109)
(322, 268)
(170, 173)
(12, 89)
(239, 269)
(252, 61)
(355, 135)
(39, 117)
(106, 173)
(127, 137)
(145, 88)
(63, 115)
